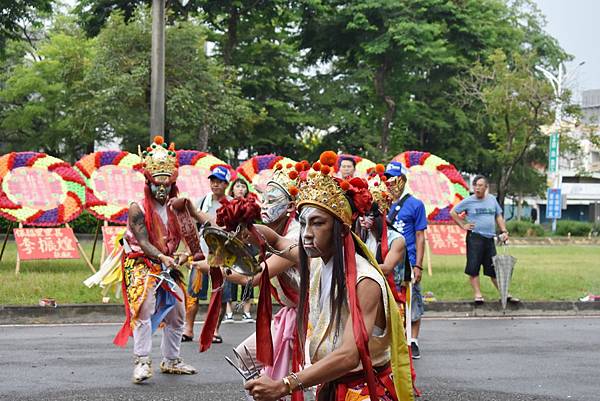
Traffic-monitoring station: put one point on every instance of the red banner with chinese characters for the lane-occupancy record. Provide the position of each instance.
(46, 243)
(446, 239)
(109, 235)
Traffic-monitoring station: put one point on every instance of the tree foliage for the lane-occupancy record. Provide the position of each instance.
(295, 77)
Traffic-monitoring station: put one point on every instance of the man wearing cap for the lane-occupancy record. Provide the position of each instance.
(219, 180)
(407, 215)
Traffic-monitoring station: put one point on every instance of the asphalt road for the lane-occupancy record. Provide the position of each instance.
(471, 359)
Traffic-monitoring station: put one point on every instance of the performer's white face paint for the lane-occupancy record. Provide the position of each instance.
(316, 229)
(275, 204)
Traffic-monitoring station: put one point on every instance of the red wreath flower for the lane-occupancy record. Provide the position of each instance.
(359, 192)
(237, 211)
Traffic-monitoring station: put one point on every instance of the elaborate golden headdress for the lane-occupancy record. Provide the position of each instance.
(378, 187)
(285, 176)
(318, 187)
(159, 160)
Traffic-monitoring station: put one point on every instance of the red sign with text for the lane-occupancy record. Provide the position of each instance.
(446, 239)
(46, 243)
(109, 235)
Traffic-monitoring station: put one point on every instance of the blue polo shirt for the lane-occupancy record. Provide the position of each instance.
(482, 213)
(408, 220)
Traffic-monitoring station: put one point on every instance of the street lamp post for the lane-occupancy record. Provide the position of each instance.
(554, 179)
(558, 83)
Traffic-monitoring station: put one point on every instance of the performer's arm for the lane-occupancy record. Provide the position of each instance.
(394, 257)
(277, 265)
(199, 215)
(339, 362)
(138, 228)
(288, 248)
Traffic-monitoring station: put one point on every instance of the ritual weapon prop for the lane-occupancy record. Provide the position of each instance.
(250, 372)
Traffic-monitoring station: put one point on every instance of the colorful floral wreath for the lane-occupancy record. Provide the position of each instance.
(432, 175)
(255, 168)
(63, 187)
(362, 165)
(195, 187)
(98, 200)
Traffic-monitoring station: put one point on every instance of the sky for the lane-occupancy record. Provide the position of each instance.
(574, 23)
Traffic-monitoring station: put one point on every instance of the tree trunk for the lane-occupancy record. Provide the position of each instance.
(231, 38)
(203, 135)
(380, 81)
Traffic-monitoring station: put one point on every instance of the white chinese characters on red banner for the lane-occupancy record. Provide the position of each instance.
(446, 239)
(109, 235)
(46, 243)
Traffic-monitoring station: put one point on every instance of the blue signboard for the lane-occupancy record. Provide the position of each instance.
(554, 205)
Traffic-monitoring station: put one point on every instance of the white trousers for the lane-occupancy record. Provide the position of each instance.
(172, 332)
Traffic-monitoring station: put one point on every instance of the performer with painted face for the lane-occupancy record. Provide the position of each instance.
(152, 286)
(355, 338)
(278, 212)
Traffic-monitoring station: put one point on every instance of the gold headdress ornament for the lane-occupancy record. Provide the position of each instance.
(379, 188)
(285, 176)
(317, 187)
(158, 159)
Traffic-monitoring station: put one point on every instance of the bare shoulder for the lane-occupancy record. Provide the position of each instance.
(368, 292)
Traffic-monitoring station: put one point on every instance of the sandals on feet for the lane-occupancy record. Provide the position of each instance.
(513, 300)
(479, 300)
(217, 339)
(185, 338)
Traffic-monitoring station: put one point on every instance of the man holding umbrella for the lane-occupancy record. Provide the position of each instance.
(482, 214)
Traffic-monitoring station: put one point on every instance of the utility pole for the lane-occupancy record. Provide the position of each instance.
(157, 96)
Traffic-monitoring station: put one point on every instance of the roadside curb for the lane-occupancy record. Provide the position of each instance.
(113, 313)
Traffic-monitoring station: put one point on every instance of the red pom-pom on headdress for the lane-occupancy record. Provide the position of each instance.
(316, 166)
(345, 185)
(328, 158)
(293, 174)
(380, 168)
(278, 166)
(293, 190)
(325, 170)
(289, 165)
(299, 167)
(159, 139)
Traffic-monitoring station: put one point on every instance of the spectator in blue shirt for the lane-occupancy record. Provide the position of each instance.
(482, 214)
(407, 215)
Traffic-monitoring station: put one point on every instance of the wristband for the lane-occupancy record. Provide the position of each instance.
(418, 267)
(286, 381)
(298, 382)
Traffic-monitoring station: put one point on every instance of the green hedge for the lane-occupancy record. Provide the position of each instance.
(522, 228)
(576, 228)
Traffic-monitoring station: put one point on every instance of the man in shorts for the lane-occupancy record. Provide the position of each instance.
(481, 213)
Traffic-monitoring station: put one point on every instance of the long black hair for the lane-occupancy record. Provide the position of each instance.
(339, 298)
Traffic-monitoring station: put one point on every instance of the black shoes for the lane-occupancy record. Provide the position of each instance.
(414, 350)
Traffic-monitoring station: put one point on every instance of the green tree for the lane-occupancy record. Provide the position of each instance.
(255, 42)
(201, 103)
(17, 17)
(45, 100)
(515, 104)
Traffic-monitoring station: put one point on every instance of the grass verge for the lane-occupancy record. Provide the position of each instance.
(542, 273)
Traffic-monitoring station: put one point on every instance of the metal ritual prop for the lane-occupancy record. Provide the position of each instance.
(250, 372)
(227, 250)
(504, 265)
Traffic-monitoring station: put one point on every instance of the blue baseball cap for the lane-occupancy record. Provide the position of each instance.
(395, 169)
(220, 173)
